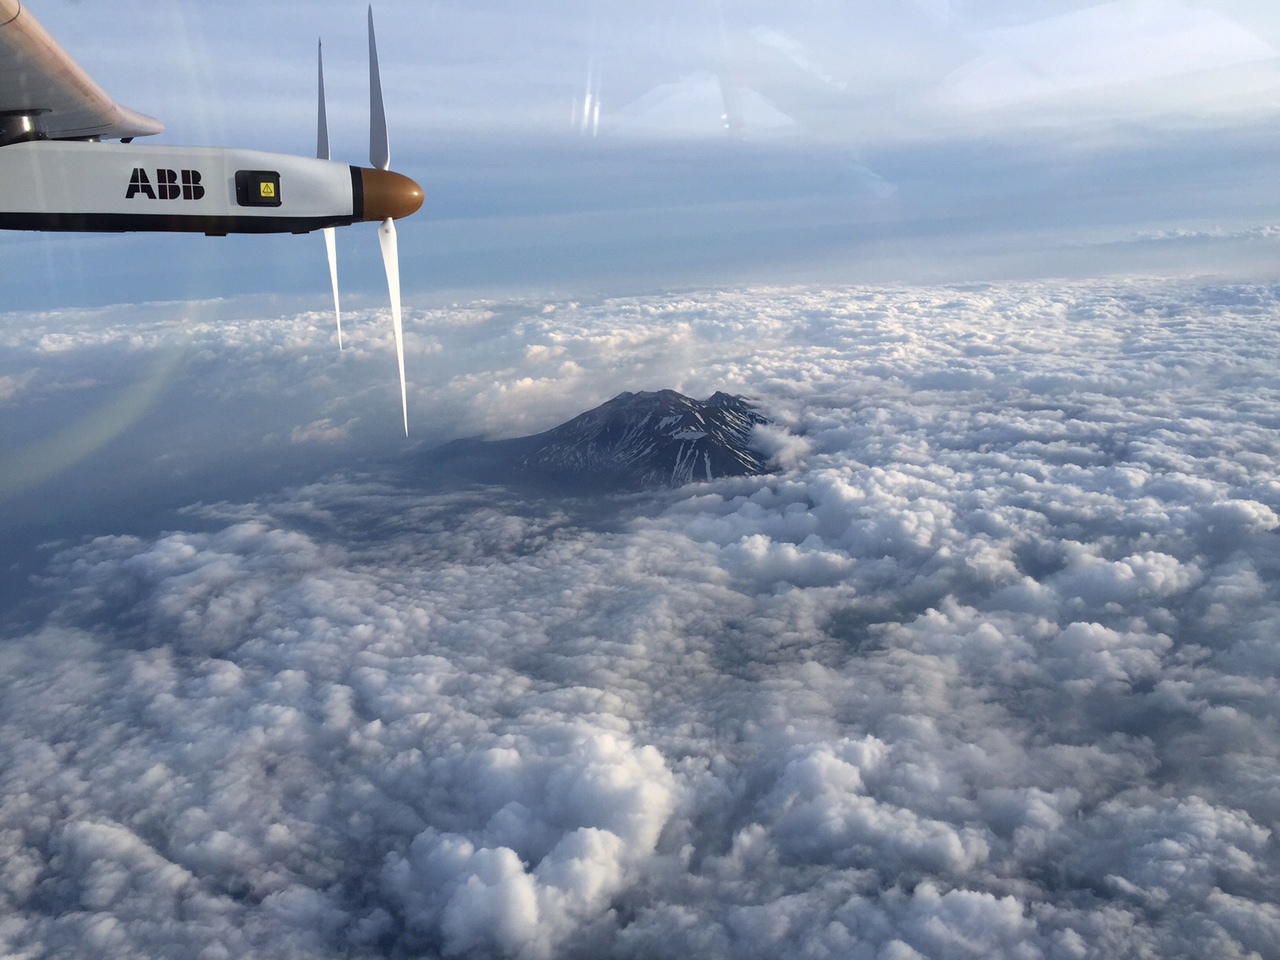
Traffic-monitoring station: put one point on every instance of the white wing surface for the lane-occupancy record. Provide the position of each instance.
(39, 78)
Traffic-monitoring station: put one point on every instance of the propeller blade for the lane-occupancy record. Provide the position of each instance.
(379, 148)
(391, 262)
(322, 121)
(380, 158)
(322, 153)
(331, 248)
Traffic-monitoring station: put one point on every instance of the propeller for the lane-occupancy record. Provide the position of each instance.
(381, 194)
(322, 153)
(380, 158)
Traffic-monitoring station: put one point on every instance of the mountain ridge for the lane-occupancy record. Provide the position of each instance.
(634, 440)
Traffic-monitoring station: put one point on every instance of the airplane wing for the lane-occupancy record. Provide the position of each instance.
(39, 79)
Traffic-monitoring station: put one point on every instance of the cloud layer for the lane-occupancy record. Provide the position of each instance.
(985, 669)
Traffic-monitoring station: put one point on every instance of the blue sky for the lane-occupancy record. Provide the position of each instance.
(868, 142)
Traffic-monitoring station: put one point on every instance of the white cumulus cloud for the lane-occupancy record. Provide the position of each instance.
(985, 668)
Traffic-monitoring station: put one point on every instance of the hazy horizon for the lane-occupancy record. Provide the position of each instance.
(730, 143)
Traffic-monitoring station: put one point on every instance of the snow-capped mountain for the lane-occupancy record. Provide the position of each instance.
(660, 438)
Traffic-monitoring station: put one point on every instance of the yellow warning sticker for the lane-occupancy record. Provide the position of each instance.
(267, 189)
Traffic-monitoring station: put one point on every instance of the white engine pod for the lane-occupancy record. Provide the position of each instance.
(73, 185)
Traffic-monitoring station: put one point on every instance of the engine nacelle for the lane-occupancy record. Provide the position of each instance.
(112, 187)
